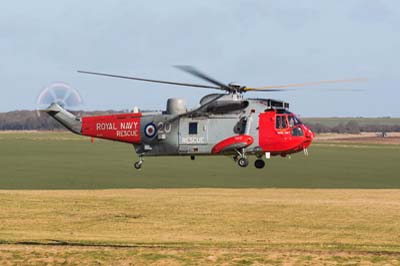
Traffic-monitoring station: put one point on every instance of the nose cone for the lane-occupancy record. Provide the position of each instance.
(309, 133)
(309, 136)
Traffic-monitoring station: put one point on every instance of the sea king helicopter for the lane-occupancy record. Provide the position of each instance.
(225, 123)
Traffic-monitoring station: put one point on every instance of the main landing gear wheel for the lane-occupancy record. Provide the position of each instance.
(259, 164)
(243, 162)
(138, 165)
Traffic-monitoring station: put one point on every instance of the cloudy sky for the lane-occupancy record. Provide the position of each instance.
(251, 42)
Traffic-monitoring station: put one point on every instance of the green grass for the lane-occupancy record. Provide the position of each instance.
(65, 161)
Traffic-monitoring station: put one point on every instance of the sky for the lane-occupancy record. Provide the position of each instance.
(249, 42)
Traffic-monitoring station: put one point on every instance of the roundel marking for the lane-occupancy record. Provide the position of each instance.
(150, 130)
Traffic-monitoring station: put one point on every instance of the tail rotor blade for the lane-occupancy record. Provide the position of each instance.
(60, 93)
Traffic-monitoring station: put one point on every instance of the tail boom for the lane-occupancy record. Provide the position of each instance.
(119, 127)
(65, 118)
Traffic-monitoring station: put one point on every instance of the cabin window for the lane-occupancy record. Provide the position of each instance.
(281, 122)
(193, 128)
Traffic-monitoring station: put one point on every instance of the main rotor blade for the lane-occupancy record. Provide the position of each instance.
(151, 80)
(195, 110)
(197, 73)
(272, 88)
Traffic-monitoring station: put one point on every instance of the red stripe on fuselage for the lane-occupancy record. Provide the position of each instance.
(239, 142)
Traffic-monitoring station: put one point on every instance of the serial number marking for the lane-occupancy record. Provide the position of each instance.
(164, 128)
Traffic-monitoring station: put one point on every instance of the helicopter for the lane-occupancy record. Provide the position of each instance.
(225, 123)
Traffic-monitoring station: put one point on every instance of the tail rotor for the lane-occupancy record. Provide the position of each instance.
(60, 93)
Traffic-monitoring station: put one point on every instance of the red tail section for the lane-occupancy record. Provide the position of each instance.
(122, 127)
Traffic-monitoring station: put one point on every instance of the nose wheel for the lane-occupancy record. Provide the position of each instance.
(259, 164)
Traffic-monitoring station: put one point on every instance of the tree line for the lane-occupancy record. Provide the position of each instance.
(352, 127)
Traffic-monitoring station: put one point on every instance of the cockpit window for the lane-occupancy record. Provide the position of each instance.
(281, 122)
(297, 132)
(286, 120)
(293, 121)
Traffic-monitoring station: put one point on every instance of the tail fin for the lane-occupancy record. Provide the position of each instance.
(68, 120)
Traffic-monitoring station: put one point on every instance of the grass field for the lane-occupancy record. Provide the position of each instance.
(325, 209)
(66, 161)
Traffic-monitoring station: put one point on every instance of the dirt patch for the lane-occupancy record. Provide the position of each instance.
(371, 140)
(363, 138)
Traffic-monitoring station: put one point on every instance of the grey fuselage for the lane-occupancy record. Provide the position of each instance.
(197, 134)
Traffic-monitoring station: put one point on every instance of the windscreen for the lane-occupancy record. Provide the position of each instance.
(293, 121)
